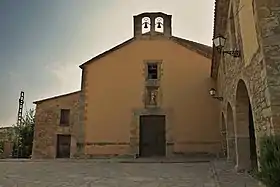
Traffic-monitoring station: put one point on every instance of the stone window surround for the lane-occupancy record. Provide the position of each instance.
(147, 97)
(152, 83)
(151, 61)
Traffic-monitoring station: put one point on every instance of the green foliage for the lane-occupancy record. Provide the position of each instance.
(269, 161)
(23, 140)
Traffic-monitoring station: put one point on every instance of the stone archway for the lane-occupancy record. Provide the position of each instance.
(245, 131)
(231, 135)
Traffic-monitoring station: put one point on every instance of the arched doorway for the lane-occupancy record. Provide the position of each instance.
(224, 136)
(245, 131)
(231, 135)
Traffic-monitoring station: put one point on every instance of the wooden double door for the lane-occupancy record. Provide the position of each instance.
(152, 136)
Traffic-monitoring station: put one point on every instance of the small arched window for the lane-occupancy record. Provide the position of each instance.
(159, 27)
(146, 25)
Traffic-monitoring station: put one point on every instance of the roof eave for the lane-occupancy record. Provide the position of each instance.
(107, 52)
(55, 97)
(199, 48)
(220, 19)
(214, 33)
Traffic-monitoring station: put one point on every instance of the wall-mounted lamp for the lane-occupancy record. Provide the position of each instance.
(212, 93)
(219, 43)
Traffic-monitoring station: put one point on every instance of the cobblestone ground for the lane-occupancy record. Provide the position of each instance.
(102, 174)
(228, 177)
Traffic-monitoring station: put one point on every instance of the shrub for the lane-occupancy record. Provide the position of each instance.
(269, 161)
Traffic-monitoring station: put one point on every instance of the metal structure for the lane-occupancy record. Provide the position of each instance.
(20, 108)
(19, 117)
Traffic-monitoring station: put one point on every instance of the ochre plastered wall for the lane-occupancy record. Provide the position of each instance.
(47, 119)
(247, 29)
(113, 91)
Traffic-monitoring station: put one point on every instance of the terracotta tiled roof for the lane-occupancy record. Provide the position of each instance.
(202, 49)
(2, 128)
(55, 97)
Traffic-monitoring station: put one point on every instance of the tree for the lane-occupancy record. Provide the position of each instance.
(24, 135)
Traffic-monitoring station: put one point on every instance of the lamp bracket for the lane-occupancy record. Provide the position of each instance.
(234, 53)
(219, 98)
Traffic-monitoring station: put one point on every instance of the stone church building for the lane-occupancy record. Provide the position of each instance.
(246, 68)
(148, 96)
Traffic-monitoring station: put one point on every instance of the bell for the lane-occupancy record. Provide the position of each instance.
(159, 25)
(145, 25)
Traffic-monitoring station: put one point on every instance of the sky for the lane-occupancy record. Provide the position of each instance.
(43, 42)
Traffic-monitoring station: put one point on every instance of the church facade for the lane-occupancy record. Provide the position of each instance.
(145, 97)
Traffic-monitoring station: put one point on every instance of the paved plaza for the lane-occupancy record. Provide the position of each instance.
(57, 173)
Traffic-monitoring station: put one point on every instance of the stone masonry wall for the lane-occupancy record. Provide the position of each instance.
(6, 136)
(261, 76)
(268, 14)
(232, 70)
(47, 127)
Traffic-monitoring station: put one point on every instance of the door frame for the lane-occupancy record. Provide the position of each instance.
(57, 145)
(135, 128)
(160, 125)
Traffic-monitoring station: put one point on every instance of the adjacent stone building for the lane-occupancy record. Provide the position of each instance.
(147, 97)
(6, 141)
(56, 119)
(250, 83)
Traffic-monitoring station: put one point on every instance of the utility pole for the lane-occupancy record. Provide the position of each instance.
(19, 118)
